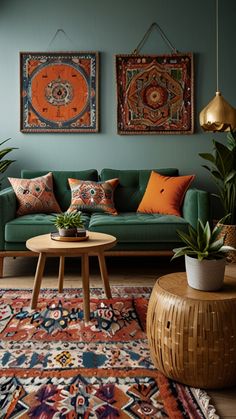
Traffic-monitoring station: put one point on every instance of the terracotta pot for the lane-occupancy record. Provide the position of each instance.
(205, 275)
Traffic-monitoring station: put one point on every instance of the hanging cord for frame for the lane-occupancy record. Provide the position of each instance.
(56, 34)
(146, 35)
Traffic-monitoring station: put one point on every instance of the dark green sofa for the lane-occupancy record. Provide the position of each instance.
(137, 234)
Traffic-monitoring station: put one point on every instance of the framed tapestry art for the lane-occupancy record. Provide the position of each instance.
(155, 94)
(59, 91)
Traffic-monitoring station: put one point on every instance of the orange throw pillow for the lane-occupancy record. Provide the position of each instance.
(164, 194)
(90, 196)
(35, 195)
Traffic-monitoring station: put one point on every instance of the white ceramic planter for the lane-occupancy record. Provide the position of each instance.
(205, 275)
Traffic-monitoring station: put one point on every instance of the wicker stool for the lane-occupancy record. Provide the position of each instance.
(192, 334)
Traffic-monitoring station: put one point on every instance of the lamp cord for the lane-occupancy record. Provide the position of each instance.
(217, 45)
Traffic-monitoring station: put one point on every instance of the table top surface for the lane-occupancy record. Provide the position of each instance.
(176, 284)
(96, 242)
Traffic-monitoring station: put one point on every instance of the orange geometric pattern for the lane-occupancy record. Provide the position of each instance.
(92, 196)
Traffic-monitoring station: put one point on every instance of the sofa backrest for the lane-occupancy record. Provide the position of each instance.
(132, 185)
(60, 182)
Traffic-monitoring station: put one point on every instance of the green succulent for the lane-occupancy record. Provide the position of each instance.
(202, 242)
(222, 166)
(6, 162)
(68, 220)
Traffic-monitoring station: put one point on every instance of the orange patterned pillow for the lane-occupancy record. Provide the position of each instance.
(92, 196)
(35, 195)
(164, 194)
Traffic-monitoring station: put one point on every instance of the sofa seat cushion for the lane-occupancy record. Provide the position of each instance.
(135, 227)
(23, 228)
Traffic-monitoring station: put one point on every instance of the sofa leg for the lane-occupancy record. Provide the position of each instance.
(1, 266)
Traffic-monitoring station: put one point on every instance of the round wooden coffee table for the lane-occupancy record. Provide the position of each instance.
(96, 244)
(192, 334)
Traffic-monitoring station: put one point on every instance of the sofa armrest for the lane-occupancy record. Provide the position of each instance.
(7, 211)
(196, 205)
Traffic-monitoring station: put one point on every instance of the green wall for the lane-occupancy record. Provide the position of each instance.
(110, 27)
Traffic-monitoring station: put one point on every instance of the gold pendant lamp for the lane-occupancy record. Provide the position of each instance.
(218, 115)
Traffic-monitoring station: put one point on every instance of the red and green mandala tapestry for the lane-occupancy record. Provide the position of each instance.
(155, 94)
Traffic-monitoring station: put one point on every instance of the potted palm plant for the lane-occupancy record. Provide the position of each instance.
(204, 253)
(68, 223)
(4, 163)
(222, 167)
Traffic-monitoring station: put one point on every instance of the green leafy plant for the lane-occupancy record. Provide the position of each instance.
(223, 170)
(68, 220)
(4, 163)
(202, 242)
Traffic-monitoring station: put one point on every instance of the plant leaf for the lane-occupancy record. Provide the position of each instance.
(216, 245)
(207, 235)
(4, 165)
(186, 239)
(227, 248)
(208, 157)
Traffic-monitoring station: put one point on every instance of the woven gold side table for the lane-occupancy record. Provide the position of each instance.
(192, 334)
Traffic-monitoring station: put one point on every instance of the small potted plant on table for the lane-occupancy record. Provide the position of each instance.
(204, 256)
(68, 223)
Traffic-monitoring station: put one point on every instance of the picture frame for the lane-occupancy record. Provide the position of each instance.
(155, 94)
(59, 92)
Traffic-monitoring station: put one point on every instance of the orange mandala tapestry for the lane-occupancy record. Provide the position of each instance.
(59, 92)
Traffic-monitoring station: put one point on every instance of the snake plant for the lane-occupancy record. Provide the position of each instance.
(202, 242)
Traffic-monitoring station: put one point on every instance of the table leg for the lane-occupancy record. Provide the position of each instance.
(38, 279)
(104, 275)
(85, 281)
(1, 267)
(61, 274)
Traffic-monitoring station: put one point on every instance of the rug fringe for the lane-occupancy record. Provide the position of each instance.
(204, 401)
(148, 288)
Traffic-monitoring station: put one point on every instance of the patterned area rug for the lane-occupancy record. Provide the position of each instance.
(53, 365)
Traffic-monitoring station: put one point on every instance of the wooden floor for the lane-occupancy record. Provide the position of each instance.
(19, 273)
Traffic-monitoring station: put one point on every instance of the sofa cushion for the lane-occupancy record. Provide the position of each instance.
(92, 196)
(35, 195)
(23, 228)
(60, 182)
(135, 227)
(164, 194)
(132, 185)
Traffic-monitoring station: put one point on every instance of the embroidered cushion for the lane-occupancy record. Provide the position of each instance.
(35, 195)
(164, 194)
(92, 196)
